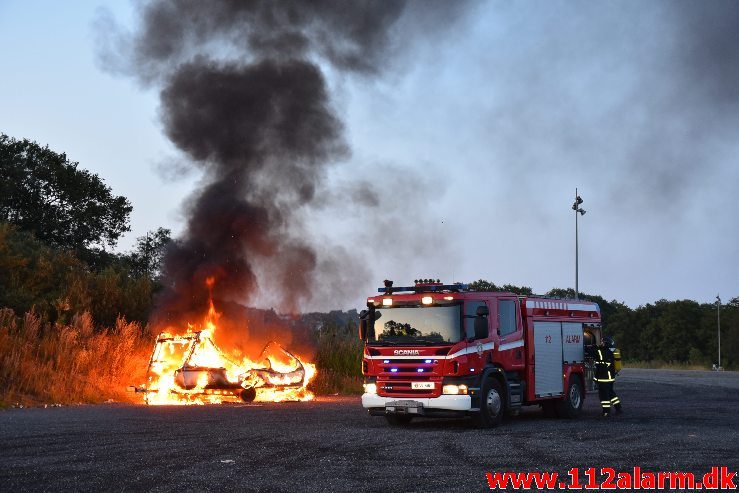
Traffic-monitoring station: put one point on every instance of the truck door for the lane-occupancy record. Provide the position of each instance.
(475, 358)
(510, 332)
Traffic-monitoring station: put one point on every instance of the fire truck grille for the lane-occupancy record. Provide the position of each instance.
(406, 377)
(397, 388)
(418, 367)
(410, 361)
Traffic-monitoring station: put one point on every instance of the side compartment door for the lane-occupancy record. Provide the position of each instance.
(573, 349)
(548, 380)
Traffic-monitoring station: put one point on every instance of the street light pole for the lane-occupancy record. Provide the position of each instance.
(718, 323)
(578, 210)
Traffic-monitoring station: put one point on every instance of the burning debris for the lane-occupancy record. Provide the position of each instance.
(191, 369)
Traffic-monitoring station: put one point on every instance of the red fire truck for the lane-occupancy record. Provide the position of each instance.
(440, 350)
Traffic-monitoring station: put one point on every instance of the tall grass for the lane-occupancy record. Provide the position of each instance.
(70, 363)
(339, 361)
(665, 365)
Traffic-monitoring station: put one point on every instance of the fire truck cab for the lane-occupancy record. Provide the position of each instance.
(440, 350)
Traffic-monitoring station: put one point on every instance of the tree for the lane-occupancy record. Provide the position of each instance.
(66, 207)
(483, 285)
(57, 285)
(146, 259)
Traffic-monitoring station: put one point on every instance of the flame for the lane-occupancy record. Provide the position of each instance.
(190, 369)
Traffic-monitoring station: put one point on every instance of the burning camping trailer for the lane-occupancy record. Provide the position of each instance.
(190, 368)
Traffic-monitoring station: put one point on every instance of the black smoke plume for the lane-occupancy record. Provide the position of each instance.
(264, 132)
(244, 96)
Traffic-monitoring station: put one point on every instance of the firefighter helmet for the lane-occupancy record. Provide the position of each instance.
(608, 342)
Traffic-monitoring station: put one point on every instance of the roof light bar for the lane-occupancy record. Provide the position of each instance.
(426, 288)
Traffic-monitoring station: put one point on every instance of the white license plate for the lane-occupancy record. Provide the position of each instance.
(404, 406)
(422, 385)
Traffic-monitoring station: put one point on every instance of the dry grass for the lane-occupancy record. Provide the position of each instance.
(339, 361)
(329, 382)
(44, 363)
(665, 365)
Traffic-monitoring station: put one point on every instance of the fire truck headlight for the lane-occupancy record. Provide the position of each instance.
(427, 300)
(370, 388)
(454, 389)
(387, 302)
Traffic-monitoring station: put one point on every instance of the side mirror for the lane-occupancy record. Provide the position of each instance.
(363, 324)
(481, 326)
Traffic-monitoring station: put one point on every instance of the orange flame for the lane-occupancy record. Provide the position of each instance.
(191, 369)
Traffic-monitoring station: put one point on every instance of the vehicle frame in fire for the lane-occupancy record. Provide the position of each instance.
(191, 379)
(444, 351)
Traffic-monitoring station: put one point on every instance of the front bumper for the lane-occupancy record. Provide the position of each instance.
(443, 402)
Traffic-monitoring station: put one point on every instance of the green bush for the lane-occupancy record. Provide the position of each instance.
(56, 283)
(339, 360)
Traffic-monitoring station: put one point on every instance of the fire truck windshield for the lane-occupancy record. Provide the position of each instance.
(417, 325)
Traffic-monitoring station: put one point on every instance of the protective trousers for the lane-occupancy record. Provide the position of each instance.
(608, 398)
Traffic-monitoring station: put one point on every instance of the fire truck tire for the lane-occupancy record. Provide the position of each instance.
(492, 404)
(398, 419)
(571, 405)
(248, 395)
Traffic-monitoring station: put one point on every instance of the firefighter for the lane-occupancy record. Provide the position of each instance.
(605, 375)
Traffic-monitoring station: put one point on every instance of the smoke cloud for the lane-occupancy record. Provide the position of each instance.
(244, 95)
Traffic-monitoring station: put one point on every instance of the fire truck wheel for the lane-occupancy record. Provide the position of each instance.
(248, 395)
(570, 406)
(398, 419)
(492, 406)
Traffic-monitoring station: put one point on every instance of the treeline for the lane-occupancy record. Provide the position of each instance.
(58, 225)
(680, 332)
(56, 284)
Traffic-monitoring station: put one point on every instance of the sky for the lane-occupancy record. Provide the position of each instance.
(465, 151)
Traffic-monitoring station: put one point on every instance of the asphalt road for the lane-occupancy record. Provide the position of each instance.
(674, 421)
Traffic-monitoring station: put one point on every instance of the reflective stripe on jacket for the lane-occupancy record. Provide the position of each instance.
(604, 367)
